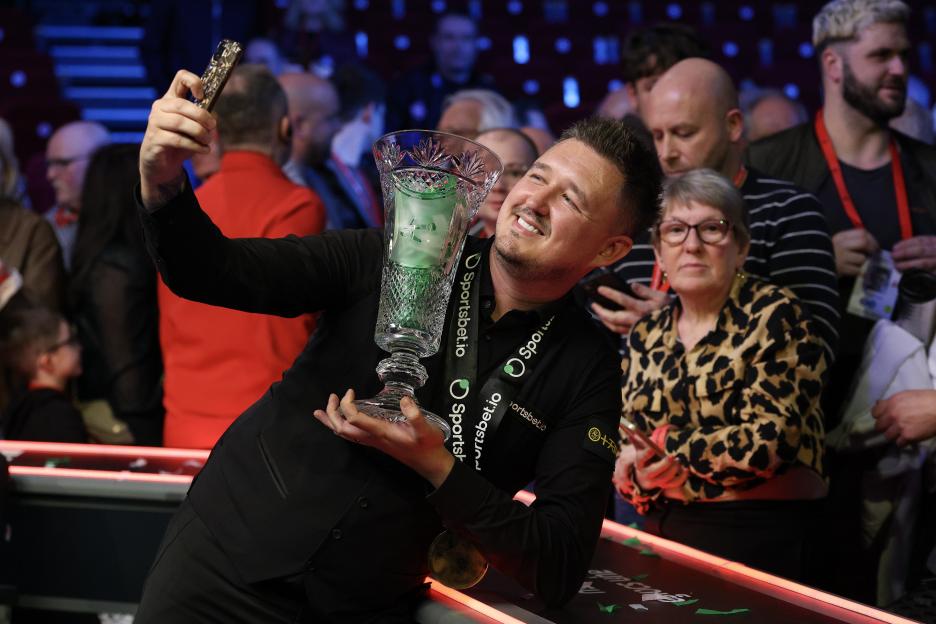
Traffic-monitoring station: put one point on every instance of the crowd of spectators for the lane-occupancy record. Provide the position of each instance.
(793, 212)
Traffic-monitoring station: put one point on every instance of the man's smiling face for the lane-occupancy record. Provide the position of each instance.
(559, 216)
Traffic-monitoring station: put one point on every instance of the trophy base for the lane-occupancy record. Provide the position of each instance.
(386, 405)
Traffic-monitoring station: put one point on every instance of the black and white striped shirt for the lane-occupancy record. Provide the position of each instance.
(790, 247)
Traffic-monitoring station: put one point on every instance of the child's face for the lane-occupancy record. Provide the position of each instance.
(64, 358)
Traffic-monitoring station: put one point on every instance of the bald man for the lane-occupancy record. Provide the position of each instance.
(770, 112)
(696, 123)
(67, 156)
(315, 113)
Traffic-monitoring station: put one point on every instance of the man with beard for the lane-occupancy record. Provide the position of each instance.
(864, 51)
(878, 190)
(845, 156)
(310, 511)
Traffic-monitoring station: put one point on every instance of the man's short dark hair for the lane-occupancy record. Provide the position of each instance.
(249, 107)
(651, 51)
(450, 14)
(643, 177)
(357, 86)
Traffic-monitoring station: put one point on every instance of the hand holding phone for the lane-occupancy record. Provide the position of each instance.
(640, 439)
(219, 69)
(591, 285)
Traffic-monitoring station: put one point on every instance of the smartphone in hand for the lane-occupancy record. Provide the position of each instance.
(591, 285)
(219, 69)
(640, 439)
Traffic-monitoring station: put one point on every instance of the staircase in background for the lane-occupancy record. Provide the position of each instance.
(99, 68)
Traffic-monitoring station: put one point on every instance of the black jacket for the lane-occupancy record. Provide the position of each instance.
(283, 495)
(795, 155)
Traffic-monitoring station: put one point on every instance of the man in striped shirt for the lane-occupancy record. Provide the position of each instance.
(696, 123)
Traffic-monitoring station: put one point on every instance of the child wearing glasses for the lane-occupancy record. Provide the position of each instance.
(43, 350)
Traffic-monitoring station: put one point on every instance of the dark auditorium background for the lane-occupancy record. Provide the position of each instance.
(63, 59)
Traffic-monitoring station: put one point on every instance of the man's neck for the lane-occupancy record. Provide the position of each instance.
(456, 76)
(514, 293)
(732, 166)
(858, 141)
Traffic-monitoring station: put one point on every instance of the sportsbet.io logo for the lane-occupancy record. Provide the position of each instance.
(515, 367)
(459, 389)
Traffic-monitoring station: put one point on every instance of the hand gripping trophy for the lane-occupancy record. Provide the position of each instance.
(433, 184)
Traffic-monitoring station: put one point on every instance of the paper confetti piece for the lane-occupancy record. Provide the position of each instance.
(714, 612)
(607, 608)
(638, 607)
(653, 596)
(633, 541)
(639, 577)
(634, 525)
(646, 552)
(685, 603)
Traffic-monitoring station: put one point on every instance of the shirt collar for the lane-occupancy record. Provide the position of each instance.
(242, 160)
(486, 292)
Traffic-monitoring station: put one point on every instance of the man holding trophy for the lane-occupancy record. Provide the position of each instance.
(319, 508)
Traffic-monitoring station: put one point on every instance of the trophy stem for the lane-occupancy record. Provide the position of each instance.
(402, 373)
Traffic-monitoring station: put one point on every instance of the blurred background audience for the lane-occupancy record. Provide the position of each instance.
(112, 301)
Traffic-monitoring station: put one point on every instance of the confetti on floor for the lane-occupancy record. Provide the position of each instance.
(607, 608)
(685, 603)
(714, 612)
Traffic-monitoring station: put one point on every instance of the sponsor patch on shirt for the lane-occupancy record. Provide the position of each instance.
(601, 441)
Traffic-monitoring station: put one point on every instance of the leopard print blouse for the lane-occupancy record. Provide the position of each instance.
(743, 403)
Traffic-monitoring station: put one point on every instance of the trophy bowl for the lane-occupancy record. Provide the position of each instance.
(433, 184)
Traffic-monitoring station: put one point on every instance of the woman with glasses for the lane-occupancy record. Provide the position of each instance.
(721, 393)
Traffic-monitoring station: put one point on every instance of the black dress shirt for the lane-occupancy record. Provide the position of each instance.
(283, 494)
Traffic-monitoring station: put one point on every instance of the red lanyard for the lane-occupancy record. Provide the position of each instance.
(657, 281)
(900, 188)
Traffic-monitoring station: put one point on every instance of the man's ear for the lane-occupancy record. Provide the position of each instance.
(614, 249)
(284, 130)
(367, 113)
(832, 63)
(734, 120)
(631, 90)
(44, 361)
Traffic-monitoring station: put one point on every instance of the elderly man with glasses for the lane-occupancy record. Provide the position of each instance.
(67, 156)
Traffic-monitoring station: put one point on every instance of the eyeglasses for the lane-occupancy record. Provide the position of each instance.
(710, 231)
(513, 173)
(62, 162)
(72, 340)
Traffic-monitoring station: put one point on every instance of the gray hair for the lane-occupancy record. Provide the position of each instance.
(709, 188)
(844, 20)
(496, 111)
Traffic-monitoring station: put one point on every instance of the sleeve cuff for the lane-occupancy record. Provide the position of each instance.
(461, 495)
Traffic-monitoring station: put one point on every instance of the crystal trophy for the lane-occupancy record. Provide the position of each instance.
(433, 184)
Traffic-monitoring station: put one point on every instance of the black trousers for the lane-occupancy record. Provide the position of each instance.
(192, 580)
(766, 535)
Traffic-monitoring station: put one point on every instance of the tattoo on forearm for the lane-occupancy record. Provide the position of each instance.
(163, 193)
